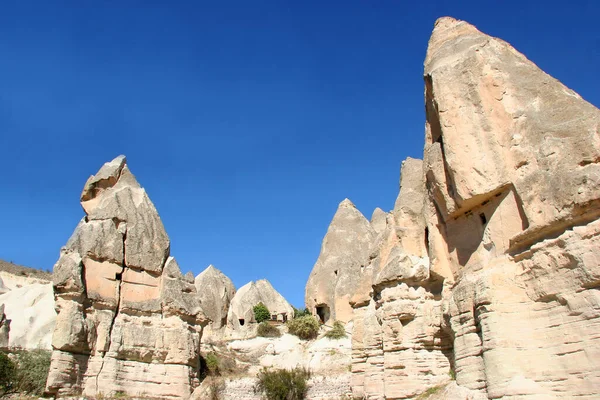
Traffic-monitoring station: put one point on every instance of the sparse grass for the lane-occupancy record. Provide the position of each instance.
(267, 330)
(452, 374)
(337, 332)
(429, 392)
(305, 327)
(283, 384)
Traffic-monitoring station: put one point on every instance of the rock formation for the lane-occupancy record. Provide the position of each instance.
(241, 311)
(128, 320)
(488, 266)
(513, 179)
(215, 291)
(344, 254)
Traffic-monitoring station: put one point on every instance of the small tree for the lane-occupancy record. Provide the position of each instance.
(261, 313)
(300, 312)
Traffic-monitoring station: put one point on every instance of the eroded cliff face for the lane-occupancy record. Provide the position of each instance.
(511, 165)
(128, 320)
(488, 266)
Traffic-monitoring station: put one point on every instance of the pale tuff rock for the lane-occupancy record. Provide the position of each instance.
(488, 264)
(215, 291)
(344, 254)
(127, 316)
(241, 314)
(512, 172)
(399, 348)
(29, 316)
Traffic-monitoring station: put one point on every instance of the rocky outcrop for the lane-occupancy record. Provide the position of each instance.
(399, 347)
(511, 161)
(215, 291)
(488, 265)
(128, 320)
(241, 313)
(344, 254)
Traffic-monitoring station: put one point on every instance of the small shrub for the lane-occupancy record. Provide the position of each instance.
(283, 384)
(261, 313)
(8, 374)
(212, 363)
(452, 374)
(337, 332)
(32, 371)
(306, 327)
(300, 313)
(267, 330)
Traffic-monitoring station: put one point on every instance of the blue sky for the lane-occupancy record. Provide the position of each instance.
(246, 122)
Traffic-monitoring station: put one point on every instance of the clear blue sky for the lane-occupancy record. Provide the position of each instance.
(247, 122)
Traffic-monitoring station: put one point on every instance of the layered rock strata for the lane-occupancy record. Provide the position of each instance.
(513, 181)
(128, 320)
(488, 267)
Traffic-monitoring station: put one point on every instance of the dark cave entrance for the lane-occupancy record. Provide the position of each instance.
(323, 312)
(241, 321)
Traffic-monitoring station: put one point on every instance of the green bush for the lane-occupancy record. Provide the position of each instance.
(337, 332)
(283, 384)
(267, 330)
(8, 374)
(261, 313)
(306, 327)
(32, 371)
(212, 363)
(300, 313)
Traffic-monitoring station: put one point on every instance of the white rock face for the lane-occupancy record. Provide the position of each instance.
(241, 314)
(31, 316)
(128, 320)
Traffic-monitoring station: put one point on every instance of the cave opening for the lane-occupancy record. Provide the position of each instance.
(323, 312)
(241, 321)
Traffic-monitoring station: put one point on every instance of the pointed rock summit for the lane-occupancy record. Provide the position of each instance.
(336, 274)
(490, 266)
(127, 316)
(215, 291)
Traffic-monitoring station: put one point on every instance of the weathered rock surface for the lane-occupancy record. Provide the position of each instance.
(215, 291)
(241, 313)
(128, 320)
(489, 263)
(29, 316)
(344, 254)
